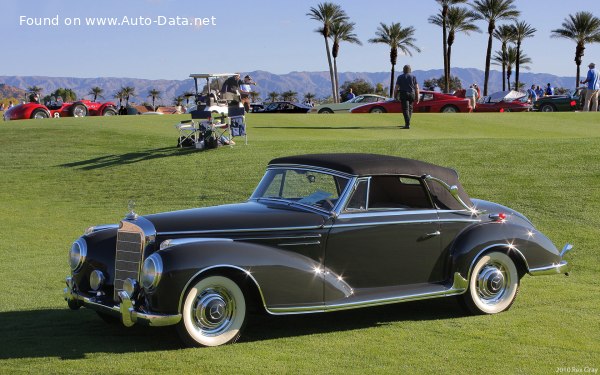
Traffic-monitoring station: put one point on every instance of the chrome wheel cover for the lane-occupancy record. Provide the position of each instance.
(39, 115)
(78, 111)
(449, 110)
(492, 283)
(213, 311)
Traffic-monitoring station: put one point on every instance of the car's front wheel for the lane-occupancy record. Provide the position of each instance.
(326, 111)
(39, 113)
(214, 312)
(547, 108)
(377, 110)
(109, 112)
(493, 285)
(450, 109)
(78, 110)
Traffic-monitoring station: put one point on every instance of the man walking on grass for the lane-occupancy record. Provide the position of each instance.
(407, 92)
(593, 87)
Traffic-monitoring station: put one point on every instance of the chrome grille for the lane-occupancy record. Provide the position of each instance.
(128, 258)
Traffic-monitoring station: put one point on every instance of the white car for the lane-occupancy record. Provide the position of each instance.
(329, 108)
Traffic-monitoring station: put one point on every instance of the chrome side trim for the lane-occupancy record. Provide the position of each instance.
(553, 269)
(300, 237)
(247, 272)
(310, 168)
(182, 241)
(300, 243)
(459, 286)
(405, 222)
(247, 230)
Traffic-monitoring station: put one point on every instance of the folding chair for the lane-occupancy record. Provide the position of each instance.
(188, 133)
(237, 123)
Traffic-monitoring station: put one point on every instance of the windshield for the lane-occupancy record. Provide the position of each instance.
(301, 186)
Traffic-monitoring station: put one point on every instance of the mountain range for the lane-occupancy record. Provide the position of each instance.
(317, 83)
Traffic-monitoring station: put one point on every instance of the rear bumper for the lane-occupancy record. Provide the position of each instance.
(125, 310)
(553, 269)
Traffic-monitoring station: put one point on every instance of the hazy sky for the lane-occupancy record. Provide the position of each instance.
(270, 35)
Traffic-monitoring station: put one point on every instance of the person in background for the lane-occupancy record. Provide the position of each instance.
(549, 90)
(471, 94)
(539, 91)
(350, 95)
(407, 92)
(232, 84)
(532, 95)
(245, 90)
(10, 104)
(478, 91)
(592, 89)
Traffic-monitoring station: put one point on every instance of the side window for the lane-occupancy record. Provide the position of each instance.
(396, 192)
(358, 201)
(426, 97)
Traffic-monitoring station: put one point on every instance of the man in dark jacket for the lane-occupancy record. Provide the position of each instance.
(407, 91)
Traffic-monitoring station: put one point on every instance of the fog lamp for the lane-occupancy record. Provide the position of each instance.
(131, 287)
(96, 280)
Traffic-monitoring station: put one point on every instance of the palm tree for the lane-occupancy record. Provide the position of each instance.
(120, 95)
(341, 32)
(492, 11)
(154, 94)
(443, 16)
(504, 33)
(510, 59)
(273, 96)
(396, 37)
(290, 96)
(309, 97)
(457, 20)
(254, 95)
(328, 14)
(128, 91)
(583, 28)
(178, 100)
(35, 90)
(521, 30)
(96, 92)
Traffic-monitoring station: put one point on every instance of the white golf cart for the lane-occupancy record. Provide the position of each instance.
(209, 98)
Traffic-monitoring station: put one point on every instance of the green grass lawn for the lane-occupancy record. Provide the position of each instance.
(59, 176)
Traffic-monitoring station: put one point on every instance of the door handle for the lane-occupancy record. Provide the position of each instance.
(434, 234)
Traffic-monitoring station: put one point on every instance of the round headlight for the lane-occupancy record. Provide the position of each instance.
(151, 272)
(131, 287)
(96, 280)
(77, 254)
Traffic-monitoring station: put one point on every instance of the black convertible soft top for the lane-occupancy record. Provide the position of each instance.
(377, 165)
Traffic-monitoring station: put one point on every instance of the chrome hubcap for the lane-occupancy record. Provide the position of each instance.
(79, 112)
(492, 283)
(213, 311)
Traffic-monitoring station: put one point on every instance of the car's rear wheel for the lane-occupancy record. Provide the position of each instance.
(377, 110)
(450, 109)
(547, 108)
(78, 110)
(214, 312)
(493, 285)
(326, 111)
(39, 113)
(109, 112)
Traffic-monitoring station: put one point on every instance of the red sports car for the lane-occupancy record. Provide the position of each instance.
(80, 108)
(504, 101)
(430, 101)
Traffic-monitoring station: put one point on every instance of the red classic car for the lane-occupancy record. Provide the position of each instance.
(430, 101)
(80, 108)
(504, 101)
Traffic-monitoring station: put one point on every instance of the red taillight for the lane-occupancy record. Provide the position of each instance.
(498, 217)
(502, 216)
(573, 103)
(501, 110)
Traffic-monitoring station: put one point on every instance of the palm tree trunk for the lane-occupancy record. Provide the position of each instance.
(517, 66)
(488, 60)
(334, 93)
(449, 59)
(578, 55)
(503, 65)
(392, 82)
(335, 76)
(446, 62)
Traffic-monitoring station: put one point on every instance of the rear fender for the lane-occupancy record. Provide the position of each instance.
(526, 246)
(282, 278)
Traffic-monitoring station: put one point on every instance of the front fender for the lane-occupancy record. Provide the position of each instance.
(283, 278)
(528, 247)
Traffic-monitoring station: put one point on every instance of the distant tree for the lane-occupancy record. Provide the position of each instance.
(582, 28)
(432, 83)
(380, 89)
(561, 91)
(493, 11)
(359, 86)
(254, 95)
(326, 14)
(521, 30)
(457, 20)
(504, 33)
(341, 31)
(67, 95)
(35, 90)
(178, 100)
(309, 97)
(96, 92)
(128, 91)
(511, 58)
(120, 94)
(290, 96)
(154, 94)
(273, 96)
(397, 38)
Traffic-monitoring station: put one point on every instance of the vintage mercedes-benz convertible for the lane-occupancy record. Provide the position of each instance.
(320, 233)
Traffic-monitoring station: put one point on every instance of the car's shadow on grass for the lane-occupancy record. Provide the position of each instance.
(128, 158)
(67, 334)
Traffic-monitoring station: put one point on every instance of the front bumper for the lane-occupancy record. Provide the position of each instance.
(553, 269)
(126, 310)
